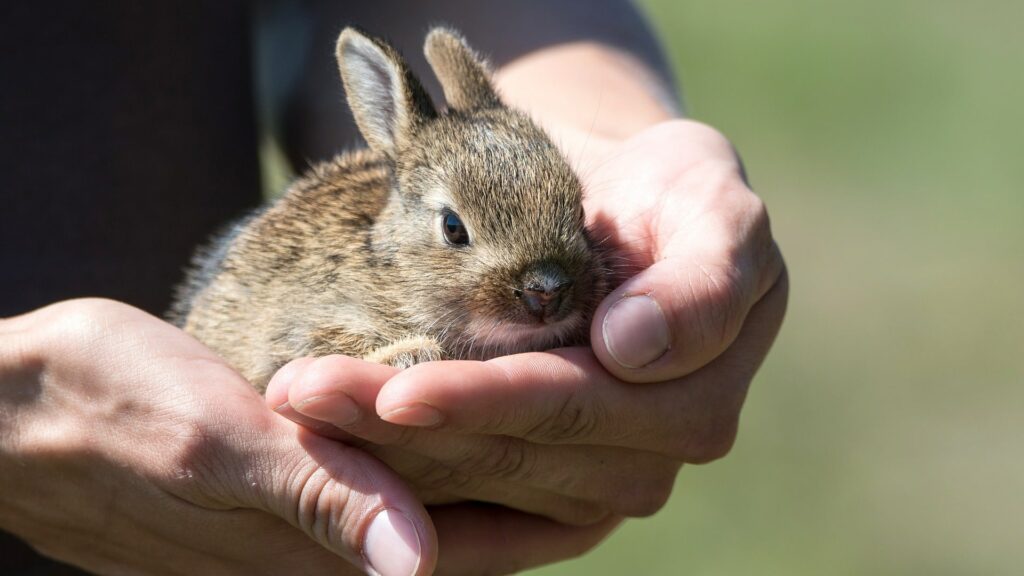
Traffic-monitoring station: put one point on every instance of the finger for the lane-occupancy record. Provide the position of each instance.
(566, 397)
(436, 483)
(335, 389)
(690, 304)
(574, 485)
(340, 497)
(481, 539)
(329, 406)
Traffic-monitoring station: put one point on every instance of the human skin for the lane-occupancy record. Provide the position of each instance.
(590, 435)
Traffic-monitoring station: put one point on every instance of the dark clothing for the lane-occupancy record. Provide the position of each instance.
(127, 134)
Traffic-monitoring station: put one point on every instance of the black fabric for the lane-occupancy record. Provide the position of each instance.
(127, 135)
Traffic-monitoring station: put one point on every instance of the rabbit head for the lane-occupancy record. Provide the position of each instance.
(484, 234)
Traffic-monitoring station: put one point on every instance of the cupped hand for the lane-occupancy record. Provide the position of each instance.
(578, 435)
(694, 247)
(127, 446)
(130, 447)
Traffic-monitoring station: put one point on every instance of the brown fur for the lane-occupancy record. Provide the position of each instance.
(352, 259)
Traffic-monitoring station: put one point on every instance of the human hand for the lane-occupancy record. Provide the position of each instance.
(562, 434)
(128, 446)
(695, 248)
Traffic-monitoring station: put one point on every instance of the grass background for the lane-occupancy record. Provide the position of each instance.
(885, 434)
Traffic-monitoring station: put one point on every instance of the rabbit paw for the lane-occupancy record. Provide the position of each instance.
(407, 352)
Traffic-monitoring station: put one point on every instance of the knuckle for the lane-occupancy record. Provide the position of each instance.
(643, 502)
(62, 441)
(319, 499)
(80, 319)
(573, 420)
(76, 325)
(757, 214)
(726, 293)
(434, 476)
(582, 513)
(318, 495)
(695, 129)
(711, 441)
(648, 492)
(197, 462)
(399, 436)
(759, 231)
(507, 458)
(323, 370)
(723, 296)
(219, 463)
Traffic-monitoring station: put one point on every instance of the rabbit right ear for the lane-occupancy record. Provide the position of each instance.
(463, 74)
(388, 102)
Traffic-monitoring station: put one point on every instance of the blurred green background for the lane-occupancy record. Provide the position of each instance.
(885, 433)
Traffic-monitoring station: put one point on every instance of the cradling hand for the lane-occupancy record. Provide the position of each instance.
(126, 446)
(580, 435)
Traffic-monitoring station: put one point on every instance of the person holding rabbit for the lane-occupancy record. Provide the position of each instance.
(127, 445)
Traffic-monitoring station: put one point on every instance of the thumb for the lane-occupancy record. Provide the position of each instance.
(342, 498)
(684, 310)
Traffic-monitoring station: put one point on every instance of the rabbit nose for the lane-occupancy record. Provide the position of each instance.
(540, 304)
(543, 290)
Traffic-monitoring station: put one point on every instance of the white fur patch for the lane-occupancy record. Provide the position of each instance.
(489, 337)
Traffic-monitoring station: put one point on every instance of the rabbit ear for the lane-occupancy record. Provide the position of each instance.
(388, 102)
(463, 74)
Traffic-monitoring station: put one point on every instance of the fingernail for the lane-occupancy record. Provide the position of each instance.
(635, 331)
(337, 408)
(288, 412)
(392, 545)
(418, 414)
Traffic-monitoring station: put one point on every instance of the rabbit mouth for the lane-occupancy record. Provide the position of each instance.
(495, 337)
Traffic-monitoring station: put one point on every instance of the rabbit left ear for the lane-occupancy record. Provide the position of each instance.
(387, 100)
(463, 74)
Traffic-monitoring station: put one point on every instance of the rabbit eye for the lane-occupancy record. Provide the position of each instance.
(454, 230)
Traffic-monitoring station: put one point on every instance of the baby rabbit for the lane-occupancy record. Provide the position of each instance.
(455, 235)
